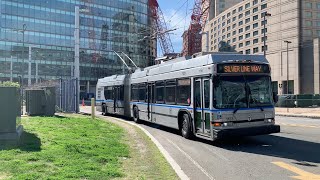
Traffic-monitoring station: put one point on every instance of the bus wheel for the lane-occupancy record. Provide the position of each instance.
(136, 114)
(186, 127)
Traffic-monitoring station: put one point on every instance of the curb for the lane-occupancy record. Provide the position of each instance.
(175, 166)
(303, 116)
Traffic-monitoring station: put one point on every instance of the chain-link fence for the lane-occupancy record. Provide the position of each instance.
(67, 96)
(66, 93)
(300, 100)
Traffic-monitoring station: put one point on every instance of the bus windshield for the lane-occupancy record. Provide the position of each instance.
(247, 91)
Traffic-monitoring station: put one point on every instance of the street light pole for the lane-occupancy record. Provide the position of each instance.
(207, 39)
(288, 42)
(11, 69)
(29, 67)
(24, 28)
(264, 32)
(76, 55)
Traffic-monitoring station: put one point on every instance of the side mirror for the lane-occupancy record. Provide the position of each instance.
(275, 97)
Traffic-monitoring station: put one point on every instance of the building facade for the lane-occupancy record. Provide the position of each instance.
(191, 40)
(219, 6)
(43, 32)
(244, 28)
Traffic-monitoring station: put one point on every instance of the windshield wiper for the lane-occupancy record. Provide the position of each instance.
(235, 110)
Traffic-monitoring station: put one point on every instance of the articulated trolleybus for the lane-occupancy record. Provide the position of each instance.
(211, 96)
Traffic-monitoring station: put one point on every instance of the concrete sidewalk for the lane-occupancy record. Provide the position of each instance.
(299, 112)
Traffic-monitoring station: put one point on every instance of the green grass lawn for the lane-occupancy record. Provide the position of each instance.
(65, 148)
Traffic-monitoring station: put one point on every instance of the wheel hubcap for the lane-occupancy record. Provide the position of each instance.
(135, 113)
(184, 125)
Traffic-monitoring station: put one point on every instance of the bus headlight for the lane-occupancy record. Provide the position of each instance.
(227, 124)
(269, 120)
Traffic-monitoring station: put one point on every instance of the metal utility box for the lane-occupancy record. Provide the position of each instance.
(35, 102)
(41, 102)
(10, 110)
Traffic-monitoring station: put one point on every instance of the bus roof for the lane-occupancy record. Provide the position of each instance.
(181, 64)
(111, 80)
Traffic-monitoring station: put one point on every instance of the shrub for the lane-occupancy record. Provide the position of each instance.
(9, 84)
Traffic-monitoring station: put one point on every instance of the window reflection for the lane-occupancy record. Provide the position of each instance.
(110, 25)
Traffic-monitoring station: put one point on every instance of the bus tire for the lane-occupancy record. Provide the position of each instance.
(186, 128)
(136, 118)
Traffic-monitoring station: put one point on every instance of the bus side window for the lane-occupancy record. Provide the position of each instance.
(159, 92)
(170, 92)
(142, 92)
(108, 92)
(184, 91)
(121, 93)
(134, 92)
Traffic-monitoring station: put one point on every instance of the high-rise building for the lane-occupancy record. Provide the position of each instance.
(245, 29)
(42, 31)
(218, 6)
(191, 40)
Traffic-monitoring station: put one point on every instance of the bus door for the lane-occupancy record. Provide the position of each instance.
(149, 101)
(116, 98)
(202, 105)
(114, 90)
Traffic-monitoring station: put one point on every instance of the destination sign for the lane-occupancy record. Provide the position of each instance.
(243, 68)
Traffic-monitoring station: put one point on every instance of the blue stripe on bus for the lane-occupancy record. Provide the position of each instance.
(104, 100)
(199, 109)
(162, 105)
(190, 108)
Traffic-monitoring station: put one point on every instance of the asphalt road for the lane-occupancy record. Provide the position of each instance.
(295, 152)
(292, 153)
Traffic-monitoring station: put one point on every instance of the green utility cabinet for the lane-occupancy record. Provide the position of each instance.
(41, 102)
(10, 110)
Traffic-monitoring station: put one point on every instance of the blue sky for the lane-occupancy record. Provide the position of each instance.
(175, 12)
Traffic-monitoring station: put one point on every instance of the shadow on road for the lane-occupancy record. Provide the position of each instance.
(303, 152)
(276, 146)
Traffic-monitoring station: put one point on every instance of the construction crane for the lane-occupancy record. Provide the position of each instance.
(199, 17)
(160, 27)
(200, 12)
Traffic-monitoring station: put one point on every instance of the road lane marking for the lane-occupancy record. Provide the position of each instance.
(298, 125)
(303, 175)
(192, 160)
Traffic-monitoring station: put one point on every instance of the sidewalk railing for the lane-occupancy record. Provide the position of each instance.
(299, 101)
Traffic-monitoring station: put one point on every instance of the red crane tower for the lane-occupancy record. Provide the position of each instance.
(160, 27)
(192, 39)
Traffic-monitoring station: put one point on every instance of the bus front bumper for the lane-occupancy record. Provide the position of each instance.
(245, 131)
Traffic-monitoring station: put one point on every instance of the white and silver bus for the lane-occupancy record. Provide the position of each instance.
(211, 96)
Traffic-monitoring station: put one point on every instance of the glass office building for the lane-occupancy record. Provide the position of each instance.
(42, 31)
